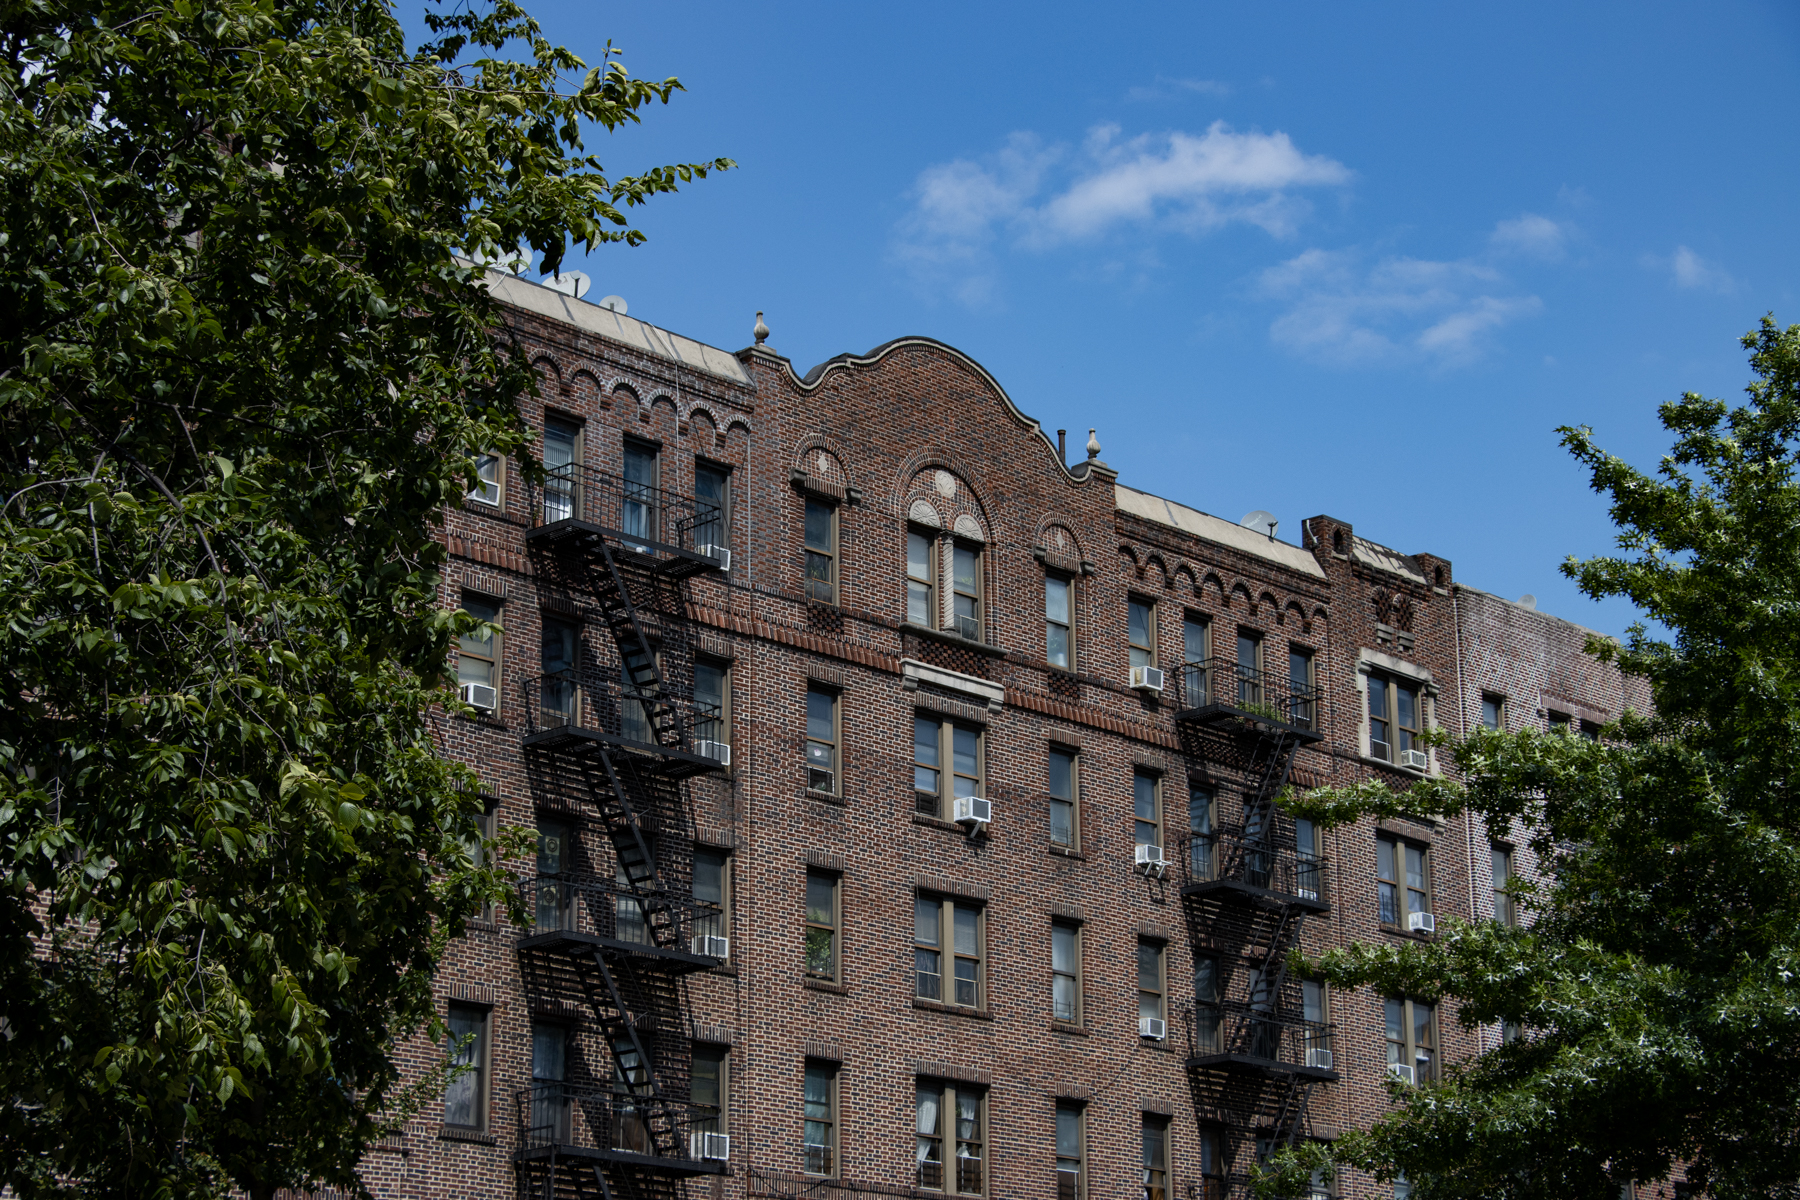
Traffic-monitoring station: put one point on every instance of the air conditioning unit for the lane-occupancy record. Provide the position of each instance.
(1150, 860)
(716, 1146)
(1416, 759)
(722, 553)
(1421, 923)
(977, 809)
(481, 695)
(1402, 1070)
(719, 752)
(711, 945)
(1318, 1058)
(1149, 679)
(1154, 1028)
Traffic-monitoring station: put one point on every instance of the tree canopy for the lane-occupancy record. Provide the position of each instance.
(244, 363)
(1656, 979)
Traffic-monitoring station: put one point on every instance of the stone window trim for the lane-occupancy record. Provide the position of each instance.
(1374, 661)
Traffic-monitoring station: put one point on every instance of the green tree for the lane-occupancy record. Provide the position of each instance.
(242, 371)
(1658, 981)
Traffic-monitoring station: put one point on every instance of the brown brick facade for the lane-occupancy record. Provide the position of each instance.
(916, 435)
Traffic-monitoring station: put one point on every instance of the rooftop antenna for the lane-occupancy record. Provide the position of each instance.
(614, 304)
(570, 283)
(1261, 521)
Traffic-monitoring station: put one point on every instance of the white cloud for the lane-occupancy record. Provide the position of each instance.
(1164, 87)
(1689, 270)
(1343, 309)
(1173, 182)
(1530, 234)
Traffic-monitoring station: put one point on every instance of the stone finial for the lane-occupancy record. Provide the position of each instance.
(761, 332)
(1093, 446)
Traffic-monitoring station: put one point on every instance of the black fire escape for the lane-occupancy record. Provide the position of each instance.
(1255, 1052)
(610, 741)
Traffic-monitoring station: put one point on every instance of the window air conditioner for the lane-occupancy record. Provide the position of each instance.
(1319, 1058)
(1150, 860)
(723, 554)
(1154, 1028)
(1402, 1070)
(976, 809)
(710, 1145)
(711, 945)
(1416, 759)
(719, 752)
(481, 695)
(1421, 923)
(1149, 679)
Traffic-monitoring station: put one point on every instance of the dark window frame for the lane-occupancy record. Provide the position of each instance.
(829, 933)
(478, 1056)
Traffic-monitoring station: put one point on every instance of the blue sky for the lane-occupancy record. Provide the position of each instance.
(1312, 258)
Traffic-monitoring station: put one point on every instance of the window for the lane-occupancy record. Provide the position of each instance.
(965, 585)
(1065, 825)
(1207, 995)
(1394, 717)
(478, 658)
(1146, 805)
(712, 500)
(490, 473)
(821, 740)
(1156, 1157)
(549, 1098)
(1150, 988)
(1402, 1188)
(1140, 628)
(921, 578)
(709, 1088)
(1059, 621)
(933, 788)
(562, 467)
(1588, 730)
(1196, 636)
(712, 894)
(821, 551)
(1065, 973)
(1318, 1186)
(1391, 856)
(1212, 1167)
(820, 1147)
(968, 1120)
(465, 1100)
(1309, 870)
(553, 860)
(1314, 1012)
(1493, 711)
(1201, 831)
(1559, 721)
(559, 647)
(1411, 1039)
(1300, 687)
(486, 829)
(638, 512)
(955, 926)
(712, 696)
(1249, 668)
(1504, 912)
(1068, 1152)
(822, 926)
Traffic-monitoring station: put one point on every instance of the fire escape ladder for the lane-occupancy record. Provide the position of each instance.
(636, 1069)
(642, 673)
(624, 822)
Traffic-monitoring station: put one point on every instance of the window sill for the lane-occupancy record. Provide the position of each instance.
(825, 797)
(489, 721)
(1161, 1045)
(1065, 1027)
(955, 1010)
(822, 985)
(482, 924)
(456, 1133)
(1396, 768)
(952, 639)
(1408, 934)
(931, 822)
(1068, 852)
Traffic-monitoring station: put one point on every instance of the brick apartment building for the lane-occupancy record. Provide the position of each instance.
(904, 796)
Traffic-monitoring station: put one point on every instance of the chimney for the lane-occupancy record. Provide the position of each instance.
(1062, 446)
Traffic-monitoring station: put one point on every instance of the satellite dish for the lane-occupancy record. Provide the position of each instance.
(616, 303)
(1262, 522)
(1528, 601)
(570, 283)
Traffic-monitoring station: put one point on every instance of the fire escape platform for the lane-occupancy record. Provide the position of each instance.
(680, 1167)
(575, 943)
(674, 561)
(579, 740)
(1238, 889)
(1249, 1064)
(1231, 718)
